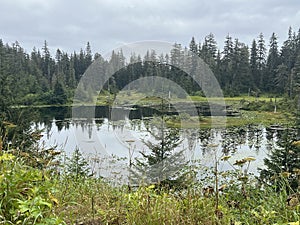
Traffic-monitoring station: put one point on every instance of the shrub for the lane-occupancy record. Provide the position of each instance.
(27, 194)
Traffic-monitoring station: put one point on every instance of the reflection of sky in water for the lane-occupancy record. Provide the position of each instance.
(101, 140)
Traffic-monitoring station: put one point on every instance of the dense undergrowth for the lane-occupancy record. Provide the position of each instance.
(32, 196)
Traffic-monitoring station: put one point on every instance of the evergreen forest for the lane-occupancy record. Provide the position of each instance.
(263, 67)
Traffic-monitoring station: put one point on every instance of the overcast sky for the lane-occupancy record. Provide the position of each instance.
(107, 24)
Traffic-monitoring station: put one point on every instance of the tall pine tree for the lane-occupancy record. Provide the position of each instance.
(272, 64)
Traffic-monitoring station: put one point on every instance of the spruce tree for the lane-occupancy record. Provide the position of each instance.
(177, 62)
(209, 50)
(288, 50)
(272, 64)
(163, 164)
(4, 98)
(77, 166)
(192, 58)
(281, 78)
(193, 46)
(283, 163)
(59, 94)
(261, 59)
(227, 65)
(246, 78)
(254, 64)
(47, 64)
(88, 55)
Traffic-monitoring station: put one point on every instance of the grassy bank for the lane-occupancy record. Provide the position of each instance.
(31, 196)
(244, 118)
(133, 97)
(98, 203)
(147, 99)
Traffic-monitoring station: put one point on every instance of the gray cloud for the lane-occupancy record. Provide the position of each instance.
(68, 24)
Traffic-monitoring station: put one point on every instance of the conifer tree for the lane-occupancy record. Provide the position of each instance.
(192, 60)
(254, 64)
(261, 57)
(288, 53)
(283, 163)
(77, 166)
(272, 64)
(59, 94)
(295, 80)
(226, 77)
(163, 164)
(209, 50)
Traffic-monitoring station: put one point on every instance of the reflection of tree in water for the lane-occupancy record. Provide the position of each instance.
(62, 124)
(191, 136)
(205, 136)
(147, 123)
(90, 130)
(48, 128)
(59, 124)
(232, 137)
(18, 131)
(136, 124)
(67, 125)
(99, 122)
(271, 137)
(47, 114)
(255, 137)
(83, 126)
(120, 125)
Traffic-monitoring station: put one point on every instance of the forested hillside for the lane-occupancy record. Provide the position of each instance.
(264, 67)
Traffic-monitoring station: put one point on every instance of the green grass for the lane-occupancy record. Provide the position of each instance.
(32, 196)
(245, 118)
(144, 99)
(237, 98)
(92, 200)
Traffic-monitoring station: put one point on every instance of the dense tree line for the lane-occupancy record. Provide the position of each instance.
(240, 69)
(38, 77)
(264, 67)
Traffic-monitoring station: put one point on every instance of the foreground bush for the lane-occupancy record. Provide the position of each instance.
(26, 194)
